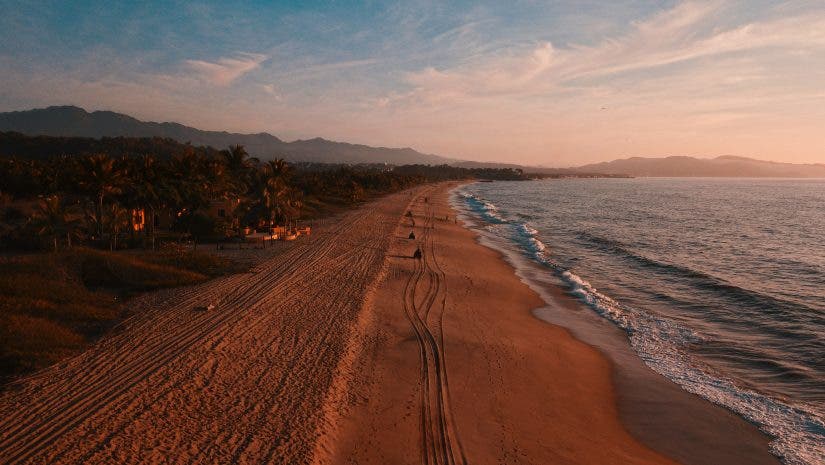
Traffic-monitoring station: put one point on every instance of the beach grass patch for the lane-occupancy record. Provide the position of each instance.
(53, 305)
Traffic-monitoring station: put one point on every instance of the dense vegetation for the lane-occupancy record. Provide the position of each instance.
(57, 191)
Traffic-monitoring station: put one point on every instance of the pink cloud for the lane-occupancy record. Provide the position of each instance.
(226, 70)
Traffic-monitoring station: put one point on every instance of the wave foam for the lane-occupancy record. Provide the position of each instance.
(798, 432)
(485, 209)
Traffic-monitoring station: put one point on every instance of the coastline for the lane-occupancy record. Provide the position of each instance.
(655, 410)
(521, 389)
(347, 350)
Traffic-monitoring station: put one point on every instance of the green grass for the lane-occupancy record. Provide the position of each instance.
(53, 305)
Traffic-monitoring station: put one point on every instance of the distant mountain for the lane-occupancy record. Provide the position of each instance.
(72, 121)
(724, 166)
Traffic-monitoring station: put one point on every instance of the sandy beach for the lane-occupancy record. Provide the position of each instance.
(488, 382)
(344, 349)
(243, 383)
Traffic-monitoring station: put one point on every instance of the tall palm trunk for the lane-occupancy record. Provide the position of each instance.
(99, 216)
(152, 210)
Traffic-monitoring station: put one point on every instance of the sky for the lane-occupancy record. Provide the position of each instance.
(551, 83)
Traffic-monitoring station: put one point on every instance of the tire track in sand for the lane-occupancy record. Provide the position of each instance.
(245, 381)
(440, 442)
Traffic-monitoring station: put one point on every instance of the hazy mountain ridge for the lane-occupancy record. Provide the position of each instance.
(723, 166)
(72, 121)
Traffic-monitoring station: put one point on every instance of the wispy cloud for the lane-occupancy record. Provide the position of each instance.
(272, 91)
(683, 33)
(323, 68)
(226, 70)
(557, 83)
(508, 74)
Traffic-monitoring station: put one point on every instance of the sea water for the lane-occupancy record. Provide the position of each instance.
(718, 283)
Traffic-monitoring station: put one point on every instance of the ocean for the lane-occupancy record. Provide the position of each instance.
(718, 283)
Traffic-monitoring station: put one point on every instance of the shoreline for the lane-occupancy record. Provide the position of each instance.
(346, 349)
(655, 410)
(521, 389)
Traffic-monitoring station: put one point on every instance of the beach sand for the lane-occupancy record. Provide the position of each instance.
(495, 384)
(341, 348)
(245, 383)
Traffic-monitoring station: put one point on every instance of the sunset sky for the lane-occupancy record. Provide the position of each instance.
(554, 83)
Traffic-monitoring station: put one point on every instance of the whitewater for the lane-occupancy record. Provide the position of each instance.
(718, 283)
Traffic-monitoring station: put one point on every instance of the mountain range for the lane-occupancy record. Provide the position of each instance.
(724, 166)
(71, 121)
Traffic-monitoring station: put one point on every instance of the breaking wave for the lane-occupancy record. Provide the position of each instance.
(661, 343)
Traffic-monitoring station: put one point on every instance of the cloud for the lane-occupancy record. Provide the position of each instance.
(504, 75)
(695, 78)
(226, 70)
(683, 33)
(272, 91)
(555, 83)
(316, 70)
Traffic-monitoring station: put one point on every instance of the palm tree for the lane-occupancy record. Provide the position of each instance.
(239, 169)
(100, 179)
(238, 179)
(190, 186)
(278, 167)
(274, 188)
(116, 218)
(150, 189)
(237, 159)
(195, 180)
(53, 219)
(294, 203)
